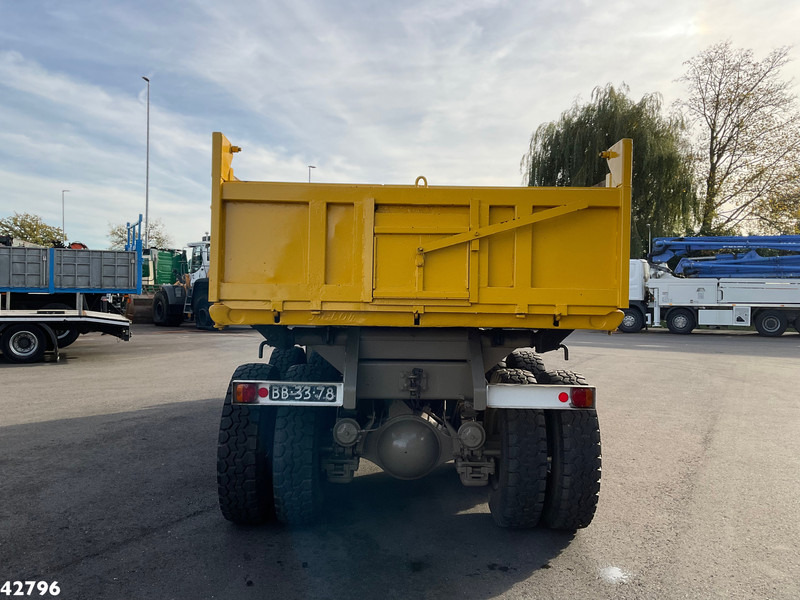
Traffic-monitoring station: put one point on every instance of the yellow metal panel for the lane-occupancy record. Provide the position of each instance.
(433, 256)
(391, 277)
(266, 243)
(342, 257)
(400, 230)
(498, 266)
(447, 272)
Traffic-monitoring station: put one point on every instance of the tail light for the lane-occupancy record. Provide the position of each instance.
(245, 393)
(582, 397)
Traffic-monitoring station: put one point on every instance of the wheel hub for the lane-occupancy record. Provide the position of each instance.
(23, 343)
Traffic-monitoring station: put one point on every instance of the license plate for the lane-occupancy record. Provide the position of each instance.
(302, 393)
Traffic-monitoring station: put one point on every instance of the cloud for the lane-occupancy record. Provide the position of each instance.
(92, 141)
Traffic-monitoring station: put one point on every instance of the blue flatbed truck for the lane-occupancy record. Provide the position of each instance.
(50, 296)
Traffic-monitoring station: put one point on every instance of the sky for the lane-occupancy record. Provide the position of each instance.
(366, 91)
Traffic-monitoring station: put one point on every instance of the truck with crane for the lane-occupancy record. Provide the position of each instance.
(732, 285)
(406, 325)
(50, 296)
(187, 296)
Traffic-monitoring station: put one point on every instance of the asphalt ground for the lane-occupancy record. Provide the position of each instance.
(107, 484)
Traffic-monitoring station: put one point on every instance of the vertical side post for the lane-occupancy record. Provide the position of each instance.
(476, 367)
(51, 270)
(352, 349)
(221, 172)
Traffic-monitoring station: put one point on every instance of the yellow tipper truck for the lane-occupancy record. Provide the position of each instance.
(407, 326)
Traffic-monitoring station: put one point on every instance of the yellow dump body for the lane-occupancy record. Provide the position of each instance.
(418, 255)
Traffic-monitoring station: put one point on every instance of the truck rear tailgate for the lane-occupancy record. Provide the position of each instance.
(373, 255)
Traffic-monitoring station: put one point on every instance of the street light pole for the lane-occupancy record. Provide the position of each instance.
(309, 172)
(63, 231)
(147, 171)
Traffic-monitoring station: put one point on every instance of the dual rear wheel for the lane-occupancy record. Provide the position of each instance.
(268, 458)
(65, 336)
(548, 470)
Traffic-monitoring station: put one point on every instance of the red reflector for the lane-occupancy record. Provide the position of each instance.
(563, 397)
(263, 392)
(245, 392)
(582, 397)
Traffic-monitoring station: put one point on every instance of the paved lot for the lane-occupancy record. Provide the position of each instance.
(108, 484)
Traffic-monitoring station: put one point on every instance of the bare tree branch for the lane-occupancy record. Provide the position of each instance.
(749, 134)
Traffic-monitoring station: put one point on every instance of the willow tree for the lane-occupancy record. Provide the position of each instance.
(566, 153)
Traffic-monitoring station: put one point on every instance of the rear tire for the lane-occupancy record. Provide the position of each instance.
(490, 373)
(300, 434)
(573, 479)
(526, 358)
(244, 454)
(522, 376)
(161, 311)
(681, 320)
(23, 343)
(202, 317)
(283, 359)
(517, 489)
(201, 306)
(326, 369)
(771, 323)
(298, 477)
(65, 336)
(562, 377)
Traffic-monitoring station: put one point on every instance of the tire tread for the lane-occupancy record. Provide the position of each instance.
(527, 359)
(283, 359)
(572, 494)
(244, 472)
(297, 475)
(573, 481)
(517, 490)
(518, 500)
